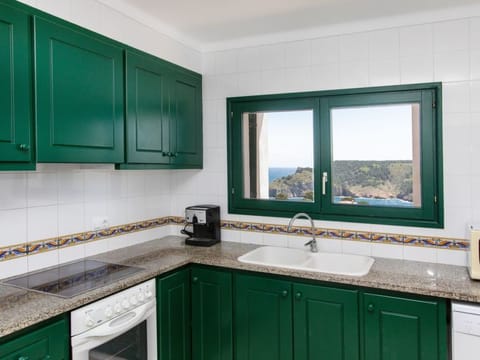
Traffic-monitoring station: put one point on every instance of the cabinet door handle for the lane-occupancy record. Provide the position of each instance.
(164, 153)
(371, 308)
(284, 293)
(174, 155)
(195, 279)
(23, 147)
(298, 295)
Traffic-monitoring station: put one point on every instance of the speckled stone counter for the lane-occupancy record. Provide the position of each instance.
(20, 308)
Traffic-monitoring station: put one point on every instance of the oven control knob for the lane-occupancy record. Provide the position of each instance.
(117, 308)
(140, 297)
(89, 321)
(125, 304)
(108, 312)
(133, 300)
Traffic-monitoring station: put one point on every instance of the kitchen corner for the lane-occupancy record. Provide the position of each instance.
(21, 308)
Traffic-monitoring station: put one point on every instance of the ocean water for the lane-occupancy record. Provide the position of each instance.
(275, 173)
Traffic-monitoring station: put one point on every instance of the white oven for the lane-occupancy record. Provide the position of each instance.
(121, 326)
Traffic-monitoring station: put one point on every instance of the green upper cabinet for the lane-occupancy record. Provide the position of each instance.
(212, 314)
(173, 316)
(263, 318)
(147, 136)
(326, 323)
(16, 116)
(164, 114)
(402, 328)
(79, 95)
(186, 121)
(50, 342)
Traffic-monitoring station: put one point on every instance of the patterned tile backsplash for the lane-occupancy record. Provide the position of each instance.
(35, 247)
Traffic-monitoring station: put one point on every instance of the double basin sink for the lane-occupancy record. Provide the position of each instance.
(303, 260)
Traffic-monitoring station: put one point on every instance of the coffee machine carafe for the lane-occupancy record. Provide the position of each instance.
(205, 222)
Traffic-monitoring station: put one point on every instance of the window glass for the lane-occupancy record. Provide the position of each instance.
(278, 155)
(376, 155)
(355, 155)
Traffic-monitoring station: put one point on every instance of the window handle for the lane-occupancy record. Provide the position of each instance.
(324, 182)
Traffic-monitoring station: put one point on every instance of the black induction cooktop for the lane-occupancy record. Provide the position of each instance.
(74, 278)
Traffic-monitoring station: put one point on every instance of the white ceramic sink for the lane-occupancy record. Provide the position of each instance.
(341, 264)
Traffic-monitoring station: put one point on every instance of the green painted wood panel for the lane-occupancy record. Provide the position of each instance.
(147, 110)
(326, 325)
(16, 143)
(398, 328)
(79, 95)
(173, 316)
(212, 327)
(186, 120)
(263, 318)
(51, 342)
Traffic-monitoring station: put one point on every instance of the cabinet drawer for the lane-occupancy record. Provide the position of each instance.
(47, 343)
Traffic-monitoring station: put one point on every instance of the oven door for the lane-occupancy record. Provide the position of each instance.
(132, 336)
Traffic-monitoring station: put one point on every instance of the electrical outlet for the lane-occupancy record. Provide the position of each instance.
(100, 223)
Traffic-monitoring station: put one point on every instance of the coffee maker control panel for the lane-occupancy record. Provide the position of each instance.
(196, 216)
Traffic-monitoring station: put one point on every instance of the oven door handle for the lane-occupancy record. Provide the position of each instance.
(118, 325)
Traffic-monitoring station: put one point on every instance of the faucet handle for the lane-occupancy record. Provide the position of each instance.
(308, 243)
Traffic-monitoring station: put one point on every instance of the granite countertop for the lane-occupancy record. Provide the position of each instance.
(20, 308)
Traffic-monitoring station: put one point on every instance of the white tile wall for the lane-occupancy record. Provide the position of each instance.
(444, 51)
(64, 199)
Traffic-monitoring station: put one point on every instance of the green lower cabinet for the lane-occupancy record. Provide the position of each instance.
(399, 328)
(173, 316)
(212, 326)
(326, 323)
(50, 342)
(263, 318)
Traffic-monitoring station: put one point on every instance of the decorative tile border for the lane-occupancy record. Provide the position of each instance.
(382, 238)
(40, 246)
(61, 242)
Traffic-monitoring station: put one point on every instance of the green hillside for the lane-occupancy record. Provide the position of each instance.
(371, 179)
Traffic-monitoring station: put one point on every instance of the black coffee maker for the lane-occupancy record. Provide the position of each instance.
(205, 223)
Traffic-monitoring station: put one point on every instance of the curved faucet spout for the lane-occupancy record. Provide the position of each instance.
(313, 242)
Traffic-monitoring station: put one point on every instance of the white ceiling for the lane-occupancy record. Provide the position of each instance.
(207, 24)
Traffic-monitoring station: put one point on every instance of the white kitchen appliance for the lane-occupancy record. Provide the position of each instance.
(465, 331)
(121, 326)
(474, 253)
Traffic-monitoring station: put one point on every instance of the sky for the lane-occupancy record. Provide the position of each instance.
(372, 133)
(358, 133)
(290, 138)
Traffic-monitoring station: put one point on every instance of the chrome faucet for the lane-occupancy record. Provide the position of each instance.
(312, 243)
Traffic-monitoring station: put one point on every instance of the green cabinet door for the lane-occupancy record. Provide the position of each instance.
(51, 342)
(186, 121)
(211, 315)
(398, 328)
(262, 318)
(15, 90)
(79, 95)
(325, 323)
(173, 316)
(147, 110)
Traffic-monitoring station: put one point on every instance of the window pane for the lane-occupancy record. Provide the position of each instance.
(278, 155)
(376, 155)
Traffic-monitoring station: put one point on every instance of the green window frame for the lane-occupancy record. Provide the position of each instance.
(428, 214)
